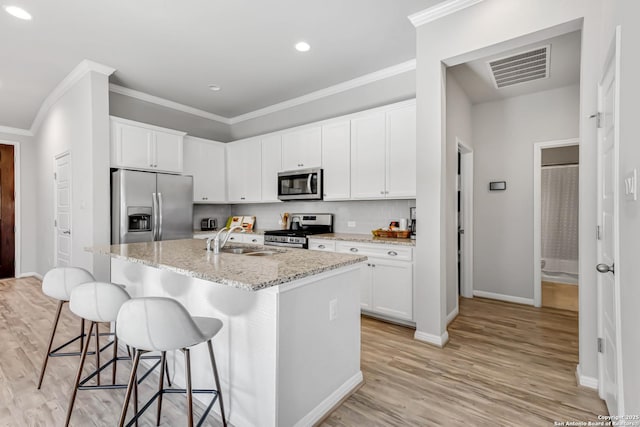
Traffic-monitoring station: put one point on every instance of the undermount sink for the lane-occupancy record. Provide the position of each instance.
(261, 253)
(236, 250)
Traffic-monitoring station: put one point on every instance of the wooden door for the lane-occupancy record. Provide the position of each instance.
(610, 366)
(7, 212)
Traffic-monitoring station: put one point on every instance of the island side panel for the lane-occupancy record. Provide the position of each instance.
(318, 357)
(245, 348)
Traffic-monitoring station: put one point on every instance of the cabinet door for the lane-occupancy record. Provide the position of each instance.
(401, 149)
(253, 239)
(133, 146)
(168, 152)
(302, 149)
(368, 157)
(392, 288)
(244, 170)
(271, 165)
(336, 160)
(366, 288)
(205, 160)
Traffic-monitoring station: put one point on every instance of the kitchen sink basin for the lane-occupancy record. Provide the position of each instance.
(261, 253)
(236, 250)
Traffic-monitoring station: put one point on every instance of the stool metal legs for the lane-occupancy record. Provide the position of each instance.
(83, 356)
(51, 336)
(217, 378)
(163, 366)
(132, 381)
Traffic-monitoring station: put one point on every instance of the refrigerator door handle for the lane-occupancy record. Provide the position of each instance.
(154, 204)
(159, 216)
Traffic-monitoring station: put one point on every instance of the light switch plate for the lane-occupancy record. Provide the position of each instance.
(631, 185)
(351, 224)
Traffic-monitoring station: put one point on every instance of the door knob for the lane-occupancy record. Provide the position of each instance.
(66, 232)
(604, 268)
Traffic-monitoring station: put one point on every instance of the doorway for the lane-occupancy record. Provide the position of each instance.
(465, 220)
(7, 211)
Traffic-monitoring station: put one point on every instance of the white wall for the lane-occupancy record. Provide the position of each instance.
(504, 133)
(473, 33)
(77, 122)
(27, 206)
(626, 13)
(458, 128)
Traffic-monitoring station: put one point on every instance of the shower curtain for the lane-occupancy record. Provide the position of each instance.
(560, 218)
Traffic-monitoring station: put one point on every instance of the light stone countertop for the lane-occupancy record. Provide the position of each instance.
(364, 238)
(252, 273)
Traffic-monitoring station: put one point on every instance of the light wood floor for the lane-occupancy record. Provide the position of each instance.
(505, 365)
(560, 295)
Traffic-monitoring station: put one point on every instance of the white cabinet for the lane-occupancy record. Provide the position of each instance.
(383, 147)
(140, 146)
(386, 286)
(250, 238)
(271, 165)
(205, 161)
(302, 149)
(244, 171)
(336, 160)
(368, 156)
(401, 151)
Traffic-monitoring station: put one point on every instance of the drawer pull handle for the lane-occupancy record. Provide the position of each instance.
(354, 249)
(321, 246)
(393, 253)
(254, 240)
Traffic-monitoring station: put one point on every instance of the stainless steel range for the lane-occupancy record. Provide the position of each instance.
(301, 226)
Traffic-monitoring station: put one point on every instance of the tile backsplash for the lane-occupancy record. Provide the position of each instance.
(219, 212)
(365, 215)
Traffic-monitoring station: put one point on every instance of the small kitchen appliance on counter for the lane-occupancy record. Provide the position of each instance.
(208, 224)
(302, 225)
(412, 218)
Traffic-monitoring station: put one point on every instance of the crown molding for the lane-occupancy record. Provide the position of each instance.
(15, 131)
(67, 83)
(440, 10)
(331, 90)
(166, 103)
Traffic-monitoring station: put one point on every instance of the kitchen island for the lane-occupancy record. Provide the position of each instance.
(289, 350)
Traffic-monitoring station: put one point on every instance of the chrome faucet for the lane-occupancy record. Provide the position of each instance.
(216, 240)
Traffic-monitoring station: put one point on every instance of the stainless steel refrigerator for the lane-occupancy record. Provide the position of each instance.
(148, 206)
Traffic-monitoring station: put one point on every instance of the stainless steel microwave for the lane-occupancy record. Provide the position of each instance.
(303, 184)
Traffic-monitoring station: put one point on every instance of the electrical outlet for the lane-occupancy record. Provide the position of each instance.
(351, 224)
(333, 309)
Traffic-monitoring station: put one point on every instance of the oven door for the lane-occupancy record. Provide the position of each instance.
(303, 184)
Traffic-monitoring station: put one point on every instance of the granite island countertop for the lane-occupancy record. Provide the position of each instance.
(364, 238)
(252, 273)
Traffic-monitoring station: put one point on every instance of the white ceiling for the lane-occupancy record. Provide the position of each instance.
(175, 49)
(475, 77)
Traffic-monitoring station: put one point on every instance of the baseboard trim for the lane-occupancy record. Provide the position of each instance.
(328, 405)
(584, 381)
(29, 274)
(436, 340)
(451, 316)
(502, 297)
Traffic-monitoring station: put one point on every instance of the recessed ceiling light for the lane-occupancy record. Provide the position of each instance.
(302, 47)
(214, 88)
(18, 12)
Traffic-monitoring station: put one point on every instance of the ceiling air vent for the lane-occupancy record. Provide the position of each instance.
(520, 68)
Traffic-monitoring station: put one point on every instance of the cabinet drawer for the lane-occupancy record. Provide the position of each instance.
(388, 252)
(253, 239)
(322, 245)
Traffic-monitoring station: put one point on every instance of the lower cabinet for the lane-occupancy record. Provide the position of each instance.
(386, 287)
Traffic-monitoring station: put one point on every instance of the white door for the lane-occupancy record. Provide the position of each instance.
(336, 160)
(62, 209)
(167, 152)
(401, 146)
(392, 288)
(302, 149)
(368, 157)
(610, 379)
(133, 146)
(271, 165)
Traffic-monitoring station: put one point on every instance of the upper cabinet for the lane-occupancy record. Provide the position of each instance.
(302, 149)
(140, 146)
(336, 160)
(401, 152)
(244, 171)
(383, 147)
(205, 161)
(271, 165)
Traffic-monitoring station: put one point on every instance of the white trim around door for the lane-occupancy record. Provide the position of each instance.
(537, 202)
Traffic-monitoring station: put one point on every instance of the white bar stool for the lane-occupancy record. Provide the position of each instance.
(163, 324)
(58, 283)
(96, 302)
